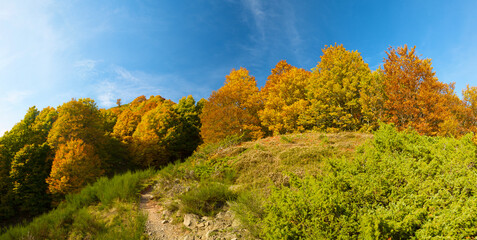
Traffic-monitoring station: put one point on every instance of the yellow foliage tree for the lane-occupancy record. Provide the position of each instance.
(371, 99)
(233, 109)
(126, 125)
(130, 117)
(284, 97)
(334, 90)
(77, 119)
(155, 135)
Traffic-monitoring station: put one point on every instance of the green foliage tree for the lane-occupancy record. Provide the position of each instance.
(20, 135)
(7, 209)
(189, 137)
(334, 90)
(27, 131)
(29, 169)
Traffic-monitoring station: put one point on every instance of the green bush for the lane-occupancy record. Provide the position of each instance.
(250, 211)
(400, 185)
(207, 199)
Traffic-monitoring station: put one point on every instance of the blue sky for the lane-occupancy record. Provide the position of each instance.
(52, 51)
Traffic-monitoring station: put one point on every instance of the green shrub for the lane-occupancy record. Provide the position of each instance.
(250, 211)
(207, 199)
(400, 185)
(286, 139)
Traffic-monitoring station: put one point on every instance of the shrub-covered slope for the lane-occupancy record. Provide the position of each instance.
(397, 185)
(390, 185)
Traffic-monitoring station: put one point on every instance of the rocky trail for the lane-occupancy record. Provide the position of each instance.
(157, 228)
(161, 225)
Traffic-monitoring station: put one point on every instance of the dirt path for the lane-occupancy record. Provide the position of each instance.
(156, 227)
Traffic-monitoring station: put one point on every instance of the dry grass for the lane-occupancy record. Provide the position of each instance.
(271, 160)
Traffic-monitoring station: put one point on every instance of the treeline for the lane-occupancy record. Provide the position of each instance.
(340, 93)
(53, 152)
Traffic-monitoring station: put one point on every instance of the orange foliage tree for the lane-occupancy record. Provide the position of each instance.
(233, 109)
(76, 164)
(470, 102)
(130, 117)
(284, 98)
(79, 124)
(414, 96)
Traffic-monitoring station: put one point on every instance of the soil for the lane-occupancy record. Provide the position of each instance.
(156, 227)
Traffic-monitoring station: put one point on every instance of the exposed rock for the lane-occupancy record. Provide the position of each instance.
(190, 220)
(163, 215)
(189, 237)
(210, 234)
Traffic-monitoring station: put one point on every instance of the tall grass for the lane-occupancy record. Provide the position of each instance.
(207, 199)
(81, 215)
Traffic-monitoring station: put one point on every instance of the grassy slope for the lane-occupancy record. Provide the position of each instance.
(396, 185)
(104, 210)
(249, 170)
(310, 185)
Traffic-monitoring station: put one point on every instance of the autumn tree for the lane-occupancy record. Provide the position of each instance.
(77, 119)
(469, 109)
(334, 90)
(130, 117)
(82, 120)
(126, 125)
(29, 169)
(76, 164)
(155, 134)
(414, 96)
(284, 97)
(43, 124)
(371, 99)
(233, 109)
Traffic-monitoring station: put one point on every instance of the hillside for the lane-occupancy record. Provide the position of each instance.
(54, 152)
(392, 184)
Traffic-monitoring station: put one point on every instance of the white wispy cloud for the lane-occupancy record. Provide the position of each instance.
(112, 82)
(258, 14)
(276, 27)
(30, 62)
